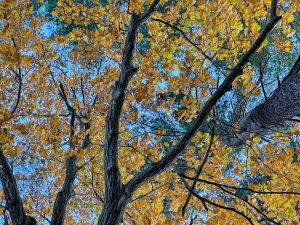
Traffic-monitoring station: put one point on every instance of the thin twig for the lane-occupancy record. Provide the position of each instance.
(200, 168)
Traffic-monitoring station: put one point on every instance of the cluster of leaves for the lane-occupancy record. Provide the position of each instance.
(56, 92)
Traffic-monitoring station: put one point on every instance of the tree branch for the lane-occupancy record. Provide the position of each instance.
(19, 77)
(249, 203)
(161, 165)
(239, 188)
(261, 81)
(145, 16)
(200, 168)
(217, 205)
(191, 42)
(115, 198)
(62, 198)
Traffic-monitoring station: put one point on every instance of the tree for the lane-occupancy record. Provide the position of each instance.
(113, 111)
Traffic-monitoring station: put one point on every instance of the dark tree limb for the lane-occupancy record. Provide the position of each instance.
(190, 41)
(82, 90)
(161, 165)
(62, 197)
(113, 185)
(223, 188)
(200, 168)
(239, 188)
(14, 204)
(282, 105)
(116, 197)
(87, 140)
(262, 82)
(19, 79)
(217, 205)
(145, 16)
(251, 205)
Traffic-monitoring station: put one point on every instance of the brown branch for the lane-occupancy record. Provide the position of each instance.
(152, 190)
(273, 9)
(112, 175)
(14, 204)
(18, 95)
(82, 90)
(63, 95)
(161, 165)
(142, 154)
(200, 168)
(63, 197)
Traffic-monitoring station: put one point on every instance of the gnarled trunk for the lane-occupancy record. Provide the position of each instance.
(283, 105)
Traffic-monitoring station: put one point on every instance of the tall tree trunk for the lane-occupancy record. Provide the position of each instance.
(63, 197)
(283, 105)
(117, 195)
(112, 212)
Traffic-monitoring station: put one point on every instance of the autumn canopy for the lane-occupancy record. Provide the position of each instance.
(149, 112)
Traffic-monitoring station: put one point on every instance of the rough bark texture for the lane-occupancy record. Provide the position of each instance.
(158, 167)
(14, 203)
(62, 197)
(116, 196)
(284, 104)
(113, 186)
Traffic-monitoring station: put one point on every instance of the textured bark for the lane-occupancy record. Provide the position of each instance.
(14, 203)
(113, 186)
(62, 197)
(283, 105)
(158, 167)
(116, 197)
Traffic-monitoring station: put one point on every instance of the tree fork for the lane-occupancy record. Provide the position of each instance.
(116, 196)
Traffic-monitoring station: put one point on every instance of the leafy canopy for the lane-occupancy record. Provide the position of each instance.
(58, 55)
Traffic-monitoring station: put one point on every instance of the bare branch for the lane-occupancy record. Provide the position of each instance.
(249, 203)
(19, 79)
(82, 90)
(273, 9)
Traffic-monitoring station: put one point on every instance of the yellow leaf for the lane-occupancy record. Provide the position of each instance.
(257, 139)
